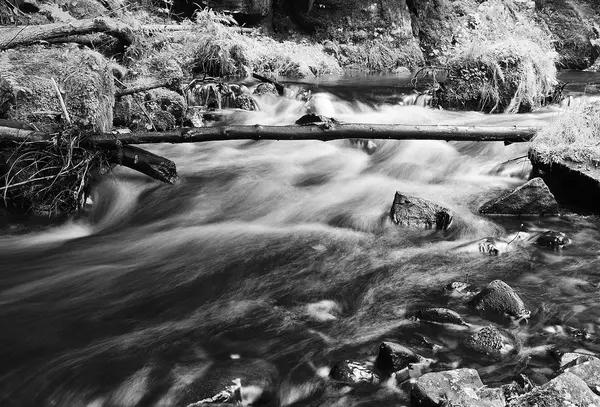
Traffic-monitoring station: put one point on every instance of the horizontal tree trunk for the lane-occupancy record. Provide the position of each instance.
(510, 134)
(317, 132)
(14, 36)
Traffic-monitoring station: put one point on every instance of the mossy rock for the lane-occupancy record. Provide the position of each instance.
(163, 109)
(83, 76)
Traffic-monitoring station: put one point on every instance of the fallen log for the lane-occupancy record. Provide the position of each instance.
(14, 36)
(143, 161)
(512, 134)
(324, 133)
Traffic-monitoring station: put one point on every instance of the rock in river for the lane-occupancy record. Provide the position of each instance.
(415, 212)
(490, 341)
(562, 391)
(532, 198)
(553, 240)
(460, 387)
(348, 371)
(439, 315)
(393, 357)
(587, 368)
(499, 299)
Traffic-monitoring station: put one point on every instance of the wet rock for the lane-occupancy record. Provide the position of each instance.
(245, 102)
(84, 77)
(562, 391)
(565, 358)
(553, 240)
(439, 315)
(587, 368)
(348, 371)
(532, 198)
(255, 379)
(393, 357)
(265, 89)
(459, 289)
(419, 213)
(312, 119)
(499, 299)
(460, 387)
(490, 341)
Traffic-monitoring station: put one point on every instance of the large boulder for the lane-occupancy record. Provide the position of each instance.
(498, 300)
(564, 390)
(572, 26)
(460, 387)
(84, 78)
(587, 368)
(410, 211)
(532, 198)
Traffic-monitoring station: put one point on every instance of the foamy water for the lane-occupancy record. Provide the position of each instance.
(282, 254)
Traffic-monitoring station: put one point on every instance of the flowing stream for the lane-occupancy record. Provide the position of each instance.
(271, 261)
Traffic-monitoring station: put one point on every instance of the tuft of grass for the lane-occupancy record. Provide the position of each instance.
(512, 76)
(502, 61)
(214, 47)
(573, 136)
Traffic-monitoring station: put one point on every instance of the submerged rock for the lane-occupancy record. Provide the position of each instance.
(393, 357)
(562, 391)
(348, 371)
(460, 387)
(499, 299)
(459, 289)
(532, 198)
(490, 341)
(553, 240)
(233, 381)
(439, 315)
(415, 212)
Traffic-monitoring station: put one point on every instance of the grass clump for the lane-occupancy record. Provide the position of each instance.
(573, 136)
(212, 46)
(494, 72)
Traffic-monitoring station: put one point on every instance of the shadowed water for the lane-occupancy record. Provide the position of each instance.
(279, 258)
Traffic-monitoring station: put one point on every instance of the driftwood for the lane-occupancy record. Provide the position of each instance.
(511, 134)
(14, 36)
(143, 161)
(277, 85)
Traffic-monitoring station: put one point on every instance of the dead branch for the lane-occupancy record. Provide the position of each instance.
(14, 36)
(144, 88)
(143, 161)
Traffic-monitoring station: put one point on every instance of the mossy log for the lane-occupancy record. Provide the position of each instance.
(14, 36)
(327, 132)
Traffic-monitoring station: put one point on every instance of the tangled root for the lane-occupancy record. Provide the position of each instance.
(48, 179)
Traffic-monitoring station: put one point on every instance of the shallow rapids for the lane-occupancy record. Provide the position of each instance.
(279, 259)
